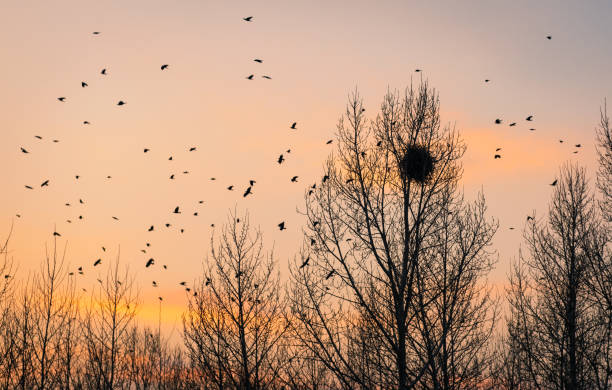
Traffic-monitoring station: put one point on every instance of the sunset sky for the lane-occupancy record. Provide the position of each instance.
(316, 53)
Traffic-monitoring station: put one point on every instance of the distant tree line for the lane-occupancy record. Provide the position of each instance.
(387, 291)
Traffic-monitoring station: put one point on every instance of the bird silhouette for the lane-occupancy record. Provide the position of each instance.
(191, 149)
(281, 159)
(45, 183)
(281, 226)
(120, 103)
(183, 283)
(96, 32)
(487, 80)
(329, 142)
(294, 179)
(578, 145)
(248, 19)
(24, 151)
(529, 218)
(154, 283)
(250, 77)
(230, 188)
(247, 192)
(258, 60)
(172, 177)
(208, 281)
(86, 123)
(151, 228)
(266, 77)
(97, 262)
(84, 84)
(176, 210)
(554, 183)
(146, 150)
(61, 99)
(149, 263)
(417, 70)
(293, 125)
(497, 156)
(549, 37)
(103, 71)
(115, 218)
(330, 274)
(498, 121)
(529, 118)
(38, 136)
(56, 234)
(512, 124)
(168, 225)
(498, 149)
(164, 67)
(305, 263)
(29, 187)
(252, 182)
(325, 178)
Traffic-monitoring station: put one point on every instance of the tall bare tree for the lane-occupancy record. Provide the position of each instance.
(558, 331)
(604, 150)
(392, 251)
(235, 319)
(106, 324)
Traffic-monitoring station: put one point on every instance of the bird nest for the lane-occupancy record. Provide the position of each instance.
(417, 164)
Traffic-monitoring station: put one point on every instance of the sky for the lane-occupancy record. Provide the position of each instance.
(316, 53)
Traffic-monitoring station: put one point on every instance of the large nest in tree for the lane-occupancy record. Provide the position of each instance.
(417, 164)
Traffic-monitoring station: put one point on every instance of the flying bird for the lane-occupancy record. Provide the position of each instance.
(487, 80)
(248, 19)
(330, 274)
(146, 150)
(56, 234)
(294, 179)
(498, 149)
(97, 262)
(84, 84)
(496, 156)
(498, 121)
(24, 151)
(61, 99)
(115, 218)
(149, 263)
(247, 192)
(554, 183)
(250, 77)
(86, 122)
(176, 211)
(120, 103)
(251, 182)
(29, 187)
(230, 188)
(549, 37)
(305, 263)
(266, 77)
(96, 33)
(103, 71)
(191, 149)
(45, 183)
(529, 118)
(151, 228)
(578, 145)
(512, 124)
(329, 142)
(258, 60)
(281, 226)
(417, 70)
(293, 125)
(38, 136)
(164, 67)
(281, 159)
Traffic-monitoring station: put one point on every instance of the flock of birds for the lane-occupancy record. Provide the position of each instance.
(248, 191)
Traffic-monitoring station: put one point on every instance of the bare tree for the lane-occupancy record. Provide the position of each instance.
(106, 325)
(51, 310)
(557, 330)
(604, 150)
(392, 251)
(235, 318)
